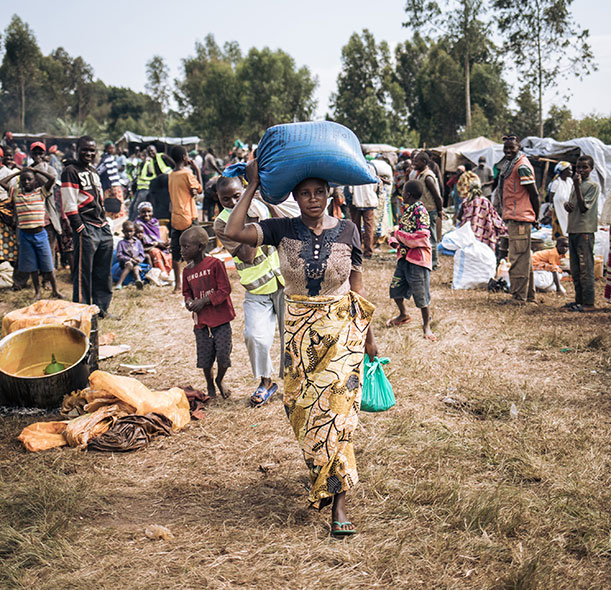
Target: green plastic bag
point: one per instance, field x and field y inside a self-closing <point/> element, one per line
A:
<point x="377" y="390"/>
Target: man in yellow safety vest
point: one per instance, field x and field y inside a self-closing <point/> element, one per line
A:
<point x="259" y="270"/>
<point x="151" y="167"/>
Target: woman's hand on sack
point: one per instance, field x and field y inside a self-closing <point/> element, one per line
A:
<point x="252" y="172"/>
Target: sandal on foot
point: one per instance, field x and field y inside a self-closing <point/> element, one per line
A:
<point x="262" y="395"/>
<point x="576" y="307"/>
<point x="393" y="322"/>
<point x="340" y="532"/>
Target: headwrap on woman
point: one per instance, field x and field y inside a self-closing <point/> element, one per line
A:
<point x="151" y="227"/>
<point x="559" y="168"/>
<point x="474" y="189"/>
<point x="145" y="205"/>
<point x="464" y="183"/>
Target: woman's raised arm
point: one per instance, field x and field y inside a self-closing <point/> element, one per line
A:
<point x="236" y="228"/>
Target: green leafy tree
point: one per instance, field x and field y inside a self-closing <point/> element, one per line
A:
<point x="524" y="120"/>
<point x="274" y="91"/>
<point x="410" y="57"/>
<point x="220" y="112"/>
<point x="129" y="110"/>
<point x="438" y="111"/>
<point x="369" y="97"/>
<point x="490" y="93"/>
<point x="545" y="42"/>
<point x="556" y="120"/>
<point x="225" y="95"/>
<point x="68" y="90"/>
<point x="20" y="73"/>
<point x="209" y="93"/>
<point x="458" y="22"/>
<point x="158" y="88"/>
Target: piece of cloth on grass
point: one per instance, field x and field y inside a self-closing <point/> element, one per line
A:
<point x="131" y="433"/>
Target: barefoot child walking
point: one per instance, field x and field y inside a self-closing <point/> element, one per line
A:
<point x="34" y="250"/>
<point x="414" y="261"/>
<point x="206" y="289"/>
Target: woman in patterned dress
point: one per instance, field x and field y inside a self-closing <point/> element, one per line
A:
<point x="327" y="331"/>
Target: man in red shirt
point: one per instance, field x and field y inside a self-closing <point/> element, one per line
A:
<point x="520" y="207"/>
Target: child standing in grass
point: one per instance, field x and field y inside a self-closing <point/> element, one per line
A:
<point x="583" y="223"/>
<point x="414" y="260"/>
<point x="30" y="205"/>
<point x="206" y="289"/>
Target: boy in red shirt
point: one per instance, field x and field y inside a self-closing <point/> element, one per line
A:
<point x="206" y="289"/>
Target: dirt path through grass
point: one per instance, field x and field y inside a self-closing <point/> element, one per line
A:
<point x="454" y="492"/>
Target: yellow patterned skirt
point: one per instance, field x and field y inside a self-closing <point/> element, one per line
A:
<point x="324" y="349"/>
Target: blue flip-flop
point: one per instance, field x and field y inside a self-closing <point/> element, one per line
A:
<point x="262" y="395"/>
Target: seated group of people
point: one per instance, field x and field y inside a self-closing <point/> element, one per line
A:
<point x="144" y="246"/>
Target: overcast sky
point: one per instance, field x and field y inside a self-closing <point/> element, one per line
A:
<point x="118" y="38"/>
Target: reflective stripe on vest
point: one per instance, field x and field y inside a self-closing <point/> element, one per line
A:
<point x="147" y="172"/>
<point x="259" y="277"/>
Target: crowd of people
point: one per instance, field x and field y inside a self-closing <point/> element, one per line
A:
<point x="300" y="273"/>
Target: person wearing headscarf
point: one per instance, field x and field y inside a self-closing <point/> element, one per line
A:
<point x="559" y="193"/>
<point x="151" y="238"/>
<point x="477" y="209"/>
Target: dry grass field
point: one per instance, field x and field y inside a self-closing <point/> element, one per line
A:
<point x="453" y="494"/>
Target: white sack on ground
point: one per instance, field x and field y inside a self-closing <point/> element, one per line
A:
<point x="474" y="266"/>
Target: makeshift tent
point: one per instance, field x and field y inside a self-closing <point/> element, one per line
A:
<point x="386" y="150"/>
<point x="129" y="140"/>
<point x="544" y="153"/>
<point x="63" y="142"/>
<point x="571" y="150"/>
<point x="453" y="155"/>
<point x="378" y="148"/>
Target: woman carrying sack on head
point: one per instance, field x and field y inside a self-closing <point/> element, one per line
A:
<point x="327" y="332"/>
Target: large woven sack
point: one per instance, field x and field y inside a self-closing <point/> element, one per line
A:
<point x="290" y="153"/>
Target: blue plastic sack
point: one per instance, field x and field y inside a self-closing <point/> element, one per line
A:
<point x="377" y="390"/>
<point x="290" y="153"/>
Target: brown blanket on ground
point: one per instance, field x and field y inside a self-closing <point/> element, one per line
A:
<point x="131" y="433"/>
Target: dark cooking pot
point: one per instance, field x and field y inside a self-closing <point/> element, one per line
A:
<point x="25" y="354"/>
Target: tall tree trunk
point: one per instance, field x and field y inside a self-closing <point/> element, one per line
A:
<point x="467" y="92"/>
<point x="539" y="73"/>
<point x="22" y="114"/>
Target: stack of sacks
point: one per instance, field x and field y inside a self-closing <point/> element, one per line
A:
<point x="108" y="399"/>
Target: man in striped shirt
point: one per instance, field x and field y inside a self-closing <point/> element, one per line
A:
<point x="82" y="201"/>
<point x="111" y="182"/>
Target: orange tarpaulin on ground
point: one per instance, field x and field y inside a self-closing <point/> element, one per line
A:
<point x="50" y="312"/>
<point x="43" y="435"/>
<point x="111" y="396"/>
<point x="173" y="404"/>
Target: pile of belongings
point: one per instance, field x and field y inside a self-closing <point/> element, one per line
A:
<point x="50" y="312"/>
<point x="114" y="413"/>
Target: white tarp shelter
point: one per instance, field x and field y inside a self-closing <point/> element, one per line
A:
<point x="562" y="150"/>
<point x="538" y="147"/>
<point x="452" y="155"/>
